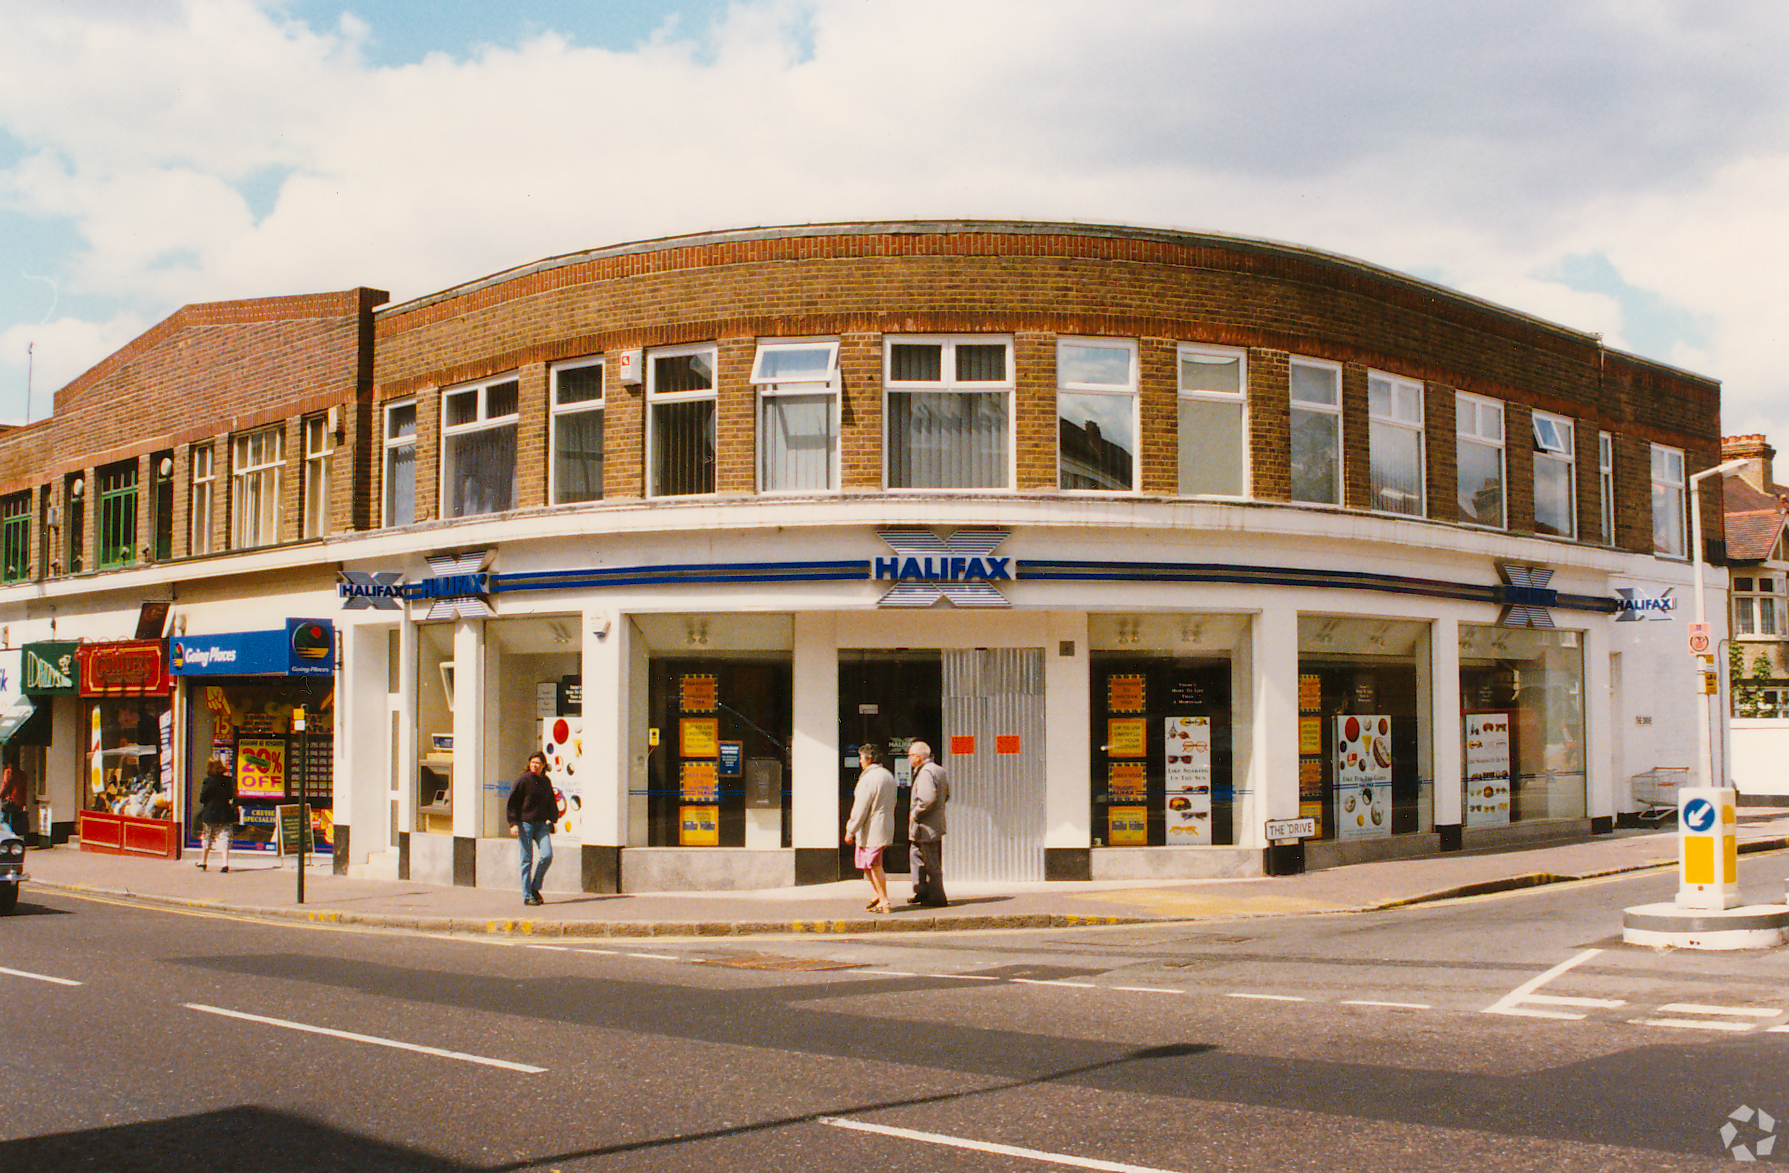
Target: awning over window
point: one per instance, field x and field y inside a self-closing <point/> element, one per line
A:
<point x="14" y="716"/>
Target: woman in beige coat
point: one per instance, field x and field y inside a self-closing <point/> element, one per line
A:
<point x="871" y="826"/>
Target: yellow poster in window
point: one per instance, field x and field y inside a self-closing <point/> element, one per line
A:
<point x="1127" y="826"/>
<point x="1310" y="693"/>
<point x="698" y="737"/>
<point x="699" y="783"/>
<point x="1310" y="735"/>
<point x="1127" y="780"/>
<point x="699" y="826"/>
<point x="1126" y="693"/>
<point x="698" y="693"/>
<point x="1127" y="737"/>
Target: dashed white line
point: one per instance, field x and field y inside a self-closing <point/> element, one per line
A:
<point x="887" y="973"/>
<point x="39" y="977"/>
<point x="653" y="956"/>
<point x="1692" y="1023"/>
<point x="1146" y="990"/>
<point x="360" y="1038"/>
<point x="604" y="952"/>
<point x="1392" y="1005"/>
<point x="1042" y="982"/>
<point x="1267" y="997"/>
<point x="962" y="977"/>
<point x="981" y="1146"/>
<point x="1562" y="1000"/>
<point x="553" y="948"/>
<point x="1698" y="1008"/>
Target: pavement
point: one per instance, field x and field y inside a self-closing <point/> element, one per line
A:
<point x="265" y="887"/>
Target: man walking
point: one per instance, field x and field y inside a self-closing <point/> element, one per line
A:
<point x="533" y="809"/>
<point x="925" y="826"/>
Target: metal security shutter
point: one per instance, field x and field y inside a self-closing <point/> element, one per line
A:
<point x="996" y="812"/>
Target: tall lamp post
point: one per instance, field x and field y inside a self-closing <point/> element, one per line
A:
<point x="1705" y="726"/>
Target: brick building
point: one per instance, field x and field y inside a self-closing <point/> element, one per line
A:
<point x="1154" y="536"/>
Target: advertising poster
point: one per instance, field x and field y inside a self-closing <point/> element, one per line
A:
<point x="1310" y="735"/>
<point x="562" y="740"/>
<point x="1487" y="769"/>
<point x="1310" y="788"/>
<point x="1187" y="778"/>
<point x="261" y="767"/>
<point x="1127" y="826"/>
<point x="1126" y="693"/>
<point x="1310" y="692"/>
<point x="698" y="693"/>
<point x="699" y="826"/>
<point x="1127" y="780"/>
<point x="1363" y="777"/>
<point x="698" y="737"/>
<point x="698" y="782"/>
<point x="1127" y="737"/>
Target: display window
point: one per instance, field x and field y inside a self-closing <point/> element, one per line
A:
<point x="714" y="721"/>
<point x="1362" y="737"/>
<point x="1521" y="725"/>
<point x="246" y="725"/>
<point x="129" y="739"/>
<point x="434" y="728"/>
<point x="533" y="701"/>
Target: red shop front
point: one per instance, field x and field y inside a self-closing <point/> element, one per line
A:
<point x="129" y="795"/>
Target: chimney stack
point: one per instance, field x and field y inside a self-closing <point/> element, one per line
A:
<point x="1757" y="453"/>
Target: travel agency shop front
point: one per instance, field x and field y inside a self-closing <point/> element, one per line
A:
<point x="1131" y="693"/>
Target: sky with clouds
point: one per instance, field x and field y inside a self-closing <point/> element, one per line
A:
<point x="1618" y="166"/>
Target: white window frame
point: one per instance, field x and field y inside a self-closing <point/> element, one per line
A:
<point x="393" y="444"/>
<point x="484" y="422"/>
<point x="655" y="397"/>
<point x="1480" y="422"/>
<point x="1128" y="388"/>
<point x="1748" y="597"/>
<point x="1239" y="397"/>
<point x="1402" y="392"/>
<point x="251" y="529"/>
<point x="1313" y="407"/>
<point x="559" y="410"/>
<point x="202" y="509"/>
<point x="319" y="446"/>
<point x="769" y="387"/>
<point x="1673" y="487"/>
<point x="1605" y="480"/>
<point x="948" y="383"/>
<point x="1556" y="442"/>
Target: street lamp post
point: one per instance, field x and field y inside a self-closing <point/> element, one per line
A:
<point x="1705" y="731"/>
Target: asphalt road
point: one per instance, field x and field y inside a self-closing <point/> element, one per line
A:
<point x="1510" y="1032"/>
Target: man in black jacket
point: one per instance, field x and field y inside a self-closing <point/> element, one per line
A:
<point x="533" y="809"/>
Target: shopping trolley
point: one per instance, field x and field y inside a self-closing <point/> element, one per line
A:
<point x="1656" y="791"/>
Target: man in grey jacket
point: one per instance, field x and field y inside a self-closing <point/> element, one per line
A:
<point x="925" y="826"/>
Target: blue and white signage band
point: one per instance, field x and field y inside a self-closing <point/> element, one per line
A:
<point x="926" y="568"/>
<point x="1525" y="596"/>
<point x="1635" y="605"/>
<point x="459" y="587"/>
<point x="381" y="590"/>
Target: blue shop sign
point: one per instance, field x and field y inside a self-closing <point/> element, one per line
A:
<point x="305" y="648"/>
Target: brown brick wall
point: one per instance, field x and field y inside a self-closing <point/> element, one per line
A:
<point x="533" y="393"/>
<point x="1034" y="410"/>
<point x="736" y="419"/>
<point x="1270" y="426"/>
<point x="1158" y="384"/>
<point x="860" y="412"/>
<point x="1441" y="452"/>
<point x="624" y="435"/>
<point x="1357" y="471"/>
<point x="1518" y="463"/>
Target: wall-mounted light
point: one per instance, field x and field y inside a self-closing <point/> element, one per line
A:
<point x="167" y="466"/>
<point x="697" y="633"/>
<point x="599" y="624"/>
<point x="80" y="486"/>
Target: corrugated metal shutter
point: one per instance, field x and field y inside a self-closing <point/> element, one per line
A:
<point x="996" y="813"/>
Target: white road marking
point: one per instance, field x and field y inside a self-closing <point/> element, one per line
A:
<point x="554" y="948"/>
<point x="1776" y="1030"/>
<point x="652" y="956"/>
<point x="604" y="952"/>
<point x="963" y="977"/>
<point x="1146" y="990"/>
<point x="1041" y="982"/>
<point x="1692" y="1023"/>
<point x="1508" y="1003"/>
<point x="1561" y="1000"/>
<point x="886" y="973"/>
<point x="1698" y="1008"/>
<point x="1267" y="997"/>
<point x="360" y="1038"/>
<point x="1393" y="1005"/>
<point x="39" y="977"/>
<point x="1004" y="1150"/>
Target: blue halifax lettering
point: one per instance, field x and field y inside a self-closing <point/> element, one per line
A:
<point x="955" y="569"/>
<point x="453" y="586"/>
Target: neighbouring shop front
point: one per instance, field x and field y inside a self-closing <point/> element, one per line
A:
<point x="128" y="722"/>
<point x="51" y="678"/>
<point x="239" y="693"/>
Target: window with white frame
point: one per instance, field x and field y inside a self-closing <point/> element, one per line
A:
<point x="578" y="432"/>
<point x="1213" y="386"/>
<point x="1756" y="606"/>
<point x="478" y="448"/>
<point x="1667" y="502"/>
<point x="204" y="498"/>
<point x="1605" y="480"/>
<point x="1555" y="485"/>
<point x="400" y="462"/>
<point x="1316" y="390"/>
<point x="680" y="420"/>
<point x="1479" y="459"/>
<point x="798" y="416"/>
<point x="1395" y="443"/>
<point x="255" y="463"/>
<point x="319" y="447"/>
<point x="948" y="412"/>
<point x="1096" y="414"/>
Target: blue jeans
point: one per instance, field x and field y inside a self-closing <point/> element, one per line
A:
<point x="533" y="836"/>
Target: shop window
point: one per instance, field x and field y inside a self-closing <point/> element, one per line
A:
<point x="434" y="728"/>
<point x="949" y="412"/>
<point x="319" y="452"/>
<point x="1096" y="414"/>
<point x="1363" y="737"/>
<point x="1316" y="392"/>
<point x="256" y="460"/>
<point x="1756" y="609"/>
<point x="1395" y="440"/>
<point x="124" y="759"/>
<point x="1605" y="481"/>
<point x="15" y="536"/>
<point x="680" y="420"/>
<point x="162" y="505"/>
<point x="245" y="725"/>
<point x="1555" y="485"/>
<point x="204" y="498"/>
<point x="117" y="514"/>
<point x="578" y="432"/>
<point x="74" y="491"/>
<point x="1213" y="437"/>
<point x="715" y="716"/>
<point x="478" y="448"/>
<point x="1522" y="725"/>
<point x="798" y="416"/>
<point x="533" y="702"/>
<point x="1667" y="502"/>
<point x="400" y="463"/>
<point x="1479" y="460"/>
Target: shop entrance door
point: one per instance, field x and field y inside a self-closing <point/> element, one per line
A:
<point x="889" y="698"/>
<point x="995" y="753"/>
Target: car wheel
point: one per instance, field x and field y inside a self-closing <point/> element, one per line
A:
<point x="9" y="897"/>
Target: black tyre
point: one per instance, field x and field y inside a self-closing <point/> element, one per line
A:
<point x="9" y="897"/>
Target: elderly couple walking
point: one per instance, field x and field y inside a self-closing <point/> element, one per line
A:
<point x="871" y="826"/>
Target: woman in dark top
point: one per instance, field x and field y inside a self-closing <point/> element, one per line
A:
<point x="533" y="809"/>
<point x="217" y="810"/>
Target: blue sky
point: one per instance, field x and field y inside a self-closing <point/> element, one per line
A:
<point x="1618" y="169"/>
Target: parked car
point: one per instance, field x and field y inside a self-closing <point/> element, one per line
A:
<point x="12" y="867"/>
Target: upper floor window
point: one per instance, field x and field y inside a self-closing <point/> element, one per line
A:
<point x="1605" y="480"/>
<point x="1213" y="386"/>
<point x="1667" y="502"/>
<point x="577" y="466"/>
<point x="1316" y="392"/>
<point x="74" y="493"/>
<point x="798" y="416"/>
<point x="15" y="536"/>
<point x="204" y="498"/>
<point x="680" y="420"/>
<point x="1096" y="414"/>
<point x="949" y="412"/>
<point x="319" y="449"/>
<point x="1755" y="606"/>
<point x="478" y="448"/>
<point x="117" y="514"/>
<point x="400" y="462"/>
<point x="1555" y="486"/>
<point x="255" y="463"/>
<point x="162" y="504"/>
<point x="1479" y="459"/>
<point x="1395" y="443"/>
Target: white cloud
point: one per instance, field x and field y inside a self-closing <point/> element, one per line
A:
<point x="60" y="350"/>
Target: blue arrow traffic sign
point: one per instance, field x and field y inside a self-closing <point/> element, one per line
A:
<point x="1698" y="814"/>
